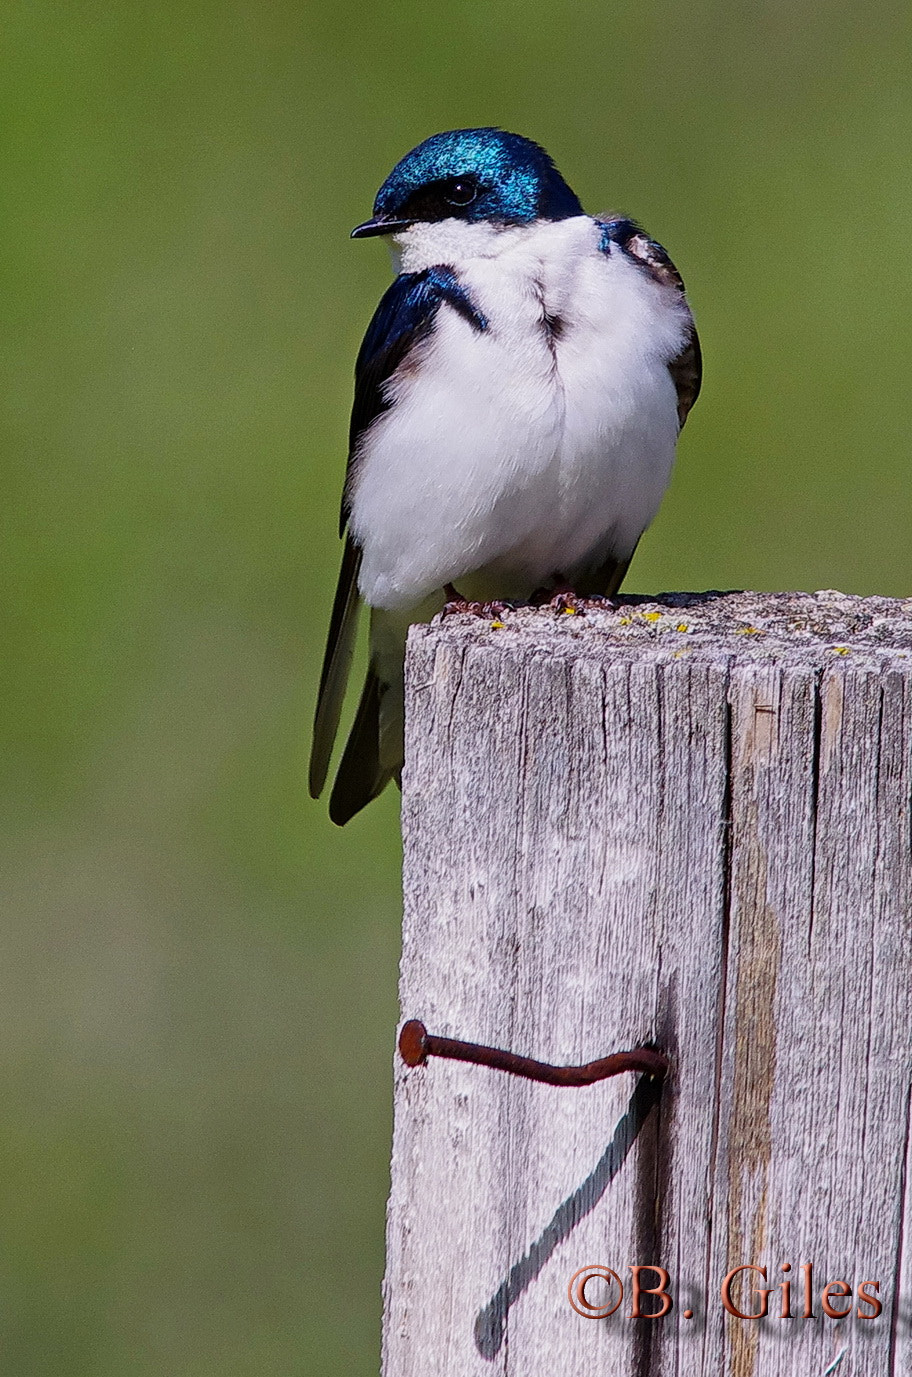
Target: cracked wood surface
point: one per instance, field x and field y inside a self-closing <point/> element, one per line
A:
<point x="684" y="821"/>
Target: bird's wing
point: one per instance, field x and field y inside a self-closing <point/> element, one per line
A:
<point x="686" y="368"/>
<point x="403" y="318"/>
<point x="340" y="646"/>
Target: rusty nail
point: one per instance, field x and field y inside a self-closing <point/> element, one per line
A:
<point x="416" y="1044"/>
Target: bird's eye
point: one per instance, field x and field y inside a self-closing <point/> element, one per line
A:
<point x="461" y="192"/>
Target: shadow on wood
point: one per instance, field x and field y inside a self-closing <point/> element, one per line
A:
<point x="490" y="1325"/>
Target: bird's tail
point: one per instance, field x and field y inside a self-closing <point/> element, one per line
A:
<point x="363" y="771"/>
<point x="374" y="751"/>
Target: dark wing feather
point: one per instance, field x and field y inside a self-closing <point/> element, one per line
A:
<point x="340" y="646"/>
<point x="604" y="579"/>
<point x="686" y="368"/>
<point x="403" y="318"/>
<point x="361" y="776"/>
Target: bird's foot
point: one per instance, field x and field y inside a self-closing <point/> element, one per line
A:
<point x="457" y="605"/>
<point x="564" y="599"/>
<point x="559" y="596"/>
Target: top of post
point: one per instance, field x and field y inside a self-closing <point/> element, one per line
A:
<point x="817" y="628"/>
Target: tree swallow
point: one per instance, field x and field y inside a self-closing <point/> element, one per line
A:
<point x="518" y="397"/>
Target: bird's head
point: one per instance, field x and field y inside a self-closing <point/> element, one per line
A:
<point x="472" y="175"/>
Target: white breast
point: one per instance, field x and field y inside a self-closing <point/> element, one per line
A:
<point x="521" y="451"/>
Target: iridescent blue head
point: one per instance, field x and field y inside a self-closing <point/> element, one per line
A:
<point x="472" y="175"/>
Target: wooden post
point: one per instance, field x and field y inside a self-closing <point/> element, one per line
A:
<point x="684" y="823"/>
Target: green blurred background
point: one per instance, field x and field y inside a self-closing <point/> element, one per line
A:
<point x="197" y="976"/>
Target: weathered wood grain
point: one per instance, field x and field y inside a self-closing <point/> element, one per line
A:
<point x="684" y="822"/>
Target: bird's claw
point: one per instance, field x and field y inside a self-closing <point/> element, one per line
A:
<point x="559" y="597"/>
<point x="456" y="605"/>
<point x="603" y="600"/>
<point x="566" y="601"/>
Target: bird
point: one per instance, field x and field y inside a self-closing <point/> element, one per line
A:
<point x="518" y="398"/>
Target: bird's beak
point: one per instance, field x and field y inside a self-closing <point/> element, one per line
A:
<point x="379" y="225"/>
